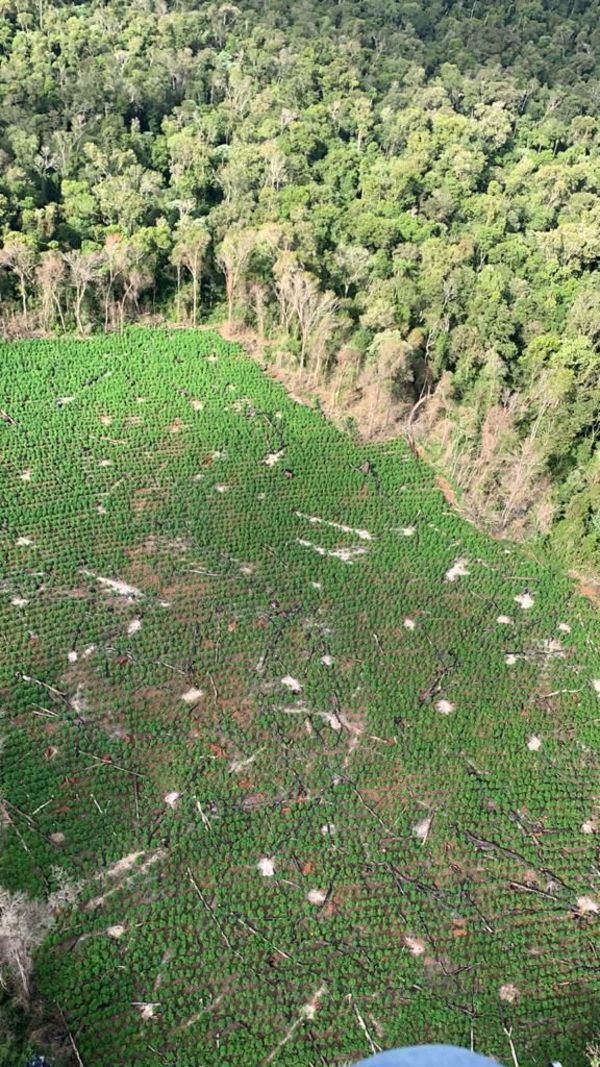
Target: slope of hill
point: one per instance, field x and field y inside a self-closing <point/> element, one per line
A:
<point x="302" y="764"/>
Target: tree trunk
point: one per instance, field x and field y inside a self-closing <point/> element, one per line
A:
<point x="194" y="297"/>
<point x="303" y="347"/>
<point x="59" y="309"/>
<point x="106" y="300"/>
<point x="411" y="417"/>
<point x="374" y="407"/>
<point x="229" y="286"/>
<point x="179" y="292"/>
<point x="23" y="297"/>
<point x="260" y="319"/>
<point x="78" y="303"/>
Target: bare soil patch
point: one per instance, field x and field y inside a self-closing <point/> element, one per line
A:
<point x="588" y="587"/>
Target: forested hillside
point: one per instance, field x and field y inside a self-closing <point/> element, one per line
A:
<point x="400" y="198"/>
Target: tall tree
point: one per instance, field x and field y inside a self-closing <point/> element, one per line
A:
<point x="233" y="257"/>
<point x="18" y="256"/>
<point x="191" y="242"/>
<point x="313" y="311"/>
<point x="84" y="269"/>
<point x="50" y="277"/>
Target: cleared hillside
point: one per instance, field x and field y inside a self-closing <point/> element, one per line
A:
<point x="320" y="757"/>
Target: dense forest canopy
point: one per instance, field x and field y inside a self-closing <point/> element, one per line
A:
<point x="401" y="198"/>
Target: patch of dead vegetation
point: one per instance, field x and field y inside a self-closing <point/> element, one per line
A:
<point x="449" y="493"/>
<point x="135" y="862"/>
<point x="25" y="923"/>
<point x="587" y="586"/>
<point x="146" y="498"/>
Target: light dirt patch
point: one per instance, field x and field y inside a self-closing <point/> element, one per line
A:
<point x="415" y="945"/>
<point x="147" y="1010"/>
<point x="421" y="829"/>
<point x="79" y="701"/>
<point x="238" y="765"/>
<point x="445" y="707"/>
<point x="123" y="865"/>
<point x="192" y="696"/>
<point x="525" y="601"/>
<point x="115" y="585"/>
<point x="291" y="683"/>
<point x="362" y="534"/>
<point x="508" y="993"/>
<point x="457" y="570"/>
<point x="588" y="906"/>
<point x="309" y="1010"/>
<point x="346" y="555"/>
<point x="316" y="897"/>
<point x="167" y="545"/>
<point x="551" y="648"/>
<point x="272" y="458"/>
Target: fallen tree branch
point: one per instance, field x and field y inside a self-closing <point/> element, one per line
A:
<point x="210" y="911"/>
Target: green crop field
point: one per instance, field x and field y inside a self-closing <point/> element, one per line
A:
<point x="318" y="759"/>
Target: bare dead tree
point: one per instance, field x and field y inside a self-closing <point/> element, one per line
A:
<point x="114" y="257"/>
<point x="389" y="361"/>
<point x="189" y="251"/>
<point x="24" y="923"/>
<point x="258" y="300"/>
<point x="233" y="257"/>
<point x="17" y="256"/>
<point x="313" y="311"/>
<point x="83" y="269"/>
<point x="347" y="368"/>
<point x="50" y="277"/>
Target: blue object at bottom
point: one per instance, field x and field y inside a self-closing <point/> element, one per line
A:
<point x="427" y="1056"/>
